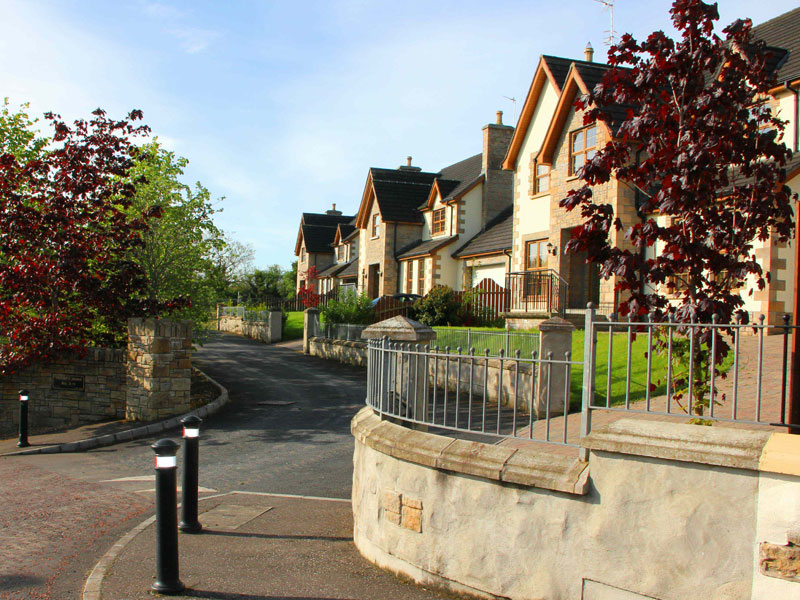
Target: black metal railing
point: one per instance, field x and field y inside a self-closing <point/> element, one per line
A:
<point x="542" y="291"/>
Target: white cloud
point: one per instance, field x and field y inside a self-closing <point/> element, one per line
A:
<point x="159" y="10"/>
<point x="193" y="39"/>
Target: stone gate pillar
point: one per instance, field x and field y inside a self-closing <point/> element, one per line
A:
<point x="556" y="339"/>
<point x="159" y="369"/>
<point x="411" y="382"/>
<point x="310" y="327"/>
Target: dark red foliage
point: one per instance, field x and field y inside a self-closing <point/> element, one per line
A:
<point x="66" y="231"/>
<point x="695" y="149"/>
<point x="307" y="294"/>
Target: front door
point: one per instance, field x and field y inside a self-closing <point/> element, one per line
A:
<point x="372" y="281"/>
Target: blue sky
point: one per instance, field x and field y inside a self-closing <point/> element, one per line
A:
<point x="281" y="107"/>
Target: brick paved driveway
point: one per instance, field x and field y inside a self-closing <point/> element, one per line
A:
<point x="54" y="528"/>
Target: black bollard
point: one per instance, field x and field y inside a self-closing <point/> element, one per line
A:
<point x="167" y="579"/>
<point x="191" y="465"/>
<point x="23" y="419"/>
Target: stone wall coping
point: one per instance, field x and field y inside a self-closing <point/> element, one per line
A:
<point x="519" y="466"/>
<point x="337" y="342"/>
<point x="556" y="324"/>
<point x="720" y="446"/>
<point x="401" y="329"/>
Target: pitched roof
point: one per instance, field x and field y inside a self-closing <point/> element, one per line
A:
<point x="783" y="32"/>
<point x="400" y="192"/>
<point x="332" y="270"/>
<point x="420" y="248"/>
<point x="496" y="237"/>
<point x="350" y="270"/>
<point x="343" y="232"/>
<point x="318" y="238"/>
<point x="325" y="220"/>
<point x="456" y="180"/>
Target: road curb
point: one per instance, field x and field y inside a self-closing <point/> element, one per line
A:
<point x="134" y="433"/>
<point x="92" y="589"/>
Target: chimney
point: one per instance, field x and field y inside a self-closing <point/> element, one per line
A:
<point x="497" y="187"/>
<point x="588" y="52"/>
<point x="333" y="211"/>
<point x="408" y="166"/>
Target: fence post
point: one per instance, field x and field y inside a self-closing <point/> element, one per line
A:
<point x="587" y="395"/>
<point x="310" y="327"/>
<point x="275" y="324"/>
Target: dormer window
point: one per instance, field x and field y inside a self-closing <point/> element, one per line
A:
<point x="437" y="221"/>
<point x="582" y="147"/>
<point x="376" y="229"/>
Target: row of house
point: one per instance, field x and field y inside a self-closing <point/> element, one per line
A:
<point x="496" y="215"/>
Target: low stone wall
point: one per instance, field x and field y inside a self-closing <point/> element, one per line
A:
<point x="68" y="392"/>
<point x="661" y="510"/>
<point x="268" y="332"/>
<point x="149" y="381"/>
<point x="347" y="352"/>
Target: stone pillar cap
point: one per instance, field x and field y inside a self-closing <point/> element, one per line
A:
<point x="400" y="329"/>
<point x="556" y="324"/>
<point x="312" y="309"/>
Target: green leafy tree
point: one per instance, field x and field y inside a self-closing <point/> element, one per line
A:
<point x="228" y="267"/>
<point x="18" y="135"/>
<point x="289" y="282"/>
<point x="178" y="249"/>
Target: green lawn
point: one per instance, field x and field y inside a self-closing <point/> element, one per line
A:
<point x="294" y="326"/>
<point x="619" y="361"/>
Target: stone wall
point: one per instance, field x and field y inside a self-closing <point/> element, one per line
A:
<point x="66" y="393"/>
<point x="347" y="352"/>
<point x="268" y="332"/>
<point x="159" y="368"/>
<point x="660" y="510"/>
<point x="149" y="381"/>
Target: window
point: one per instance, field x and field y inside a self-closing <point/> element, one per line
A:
<point x="438" y="221"/>
<point x="409" y="276"/>
<point x="541" y="178"/>
<point x="302" y="254"/>
<point x="421" y="276"/>
<point x="582" y="147"/>
<point x="535" y="255"/>
<point x="376" y="230"/>
<point x="339" y="253"/>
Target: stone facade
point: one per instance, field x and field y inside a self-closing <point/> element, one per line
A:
<point x="498" y="185"/>
<point x="159" y="368"/>
<point x="98" y="390"/>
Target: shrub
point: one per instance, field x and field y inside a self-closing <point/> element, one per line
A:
<point x="349" y="307"/>
<point x="439" y="307"/>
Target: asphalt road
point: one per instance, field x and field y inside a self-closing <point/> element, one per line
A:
<point x="286" y="430"/>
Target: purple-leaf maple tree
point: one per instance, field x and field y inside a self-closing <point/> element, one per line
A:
<point x="66" y="233"/>
<point x="703" y="152"/>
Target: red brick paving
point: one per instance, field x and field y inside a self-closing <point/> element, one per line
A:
<point x="48" y="522"/>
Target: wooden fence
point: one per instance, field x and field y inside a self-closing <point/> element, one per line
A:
<point x="488" y="299"/>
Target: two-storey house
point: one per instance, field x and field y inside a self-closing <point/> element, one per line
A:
<point x="414" y="223"/>
<point x="314" y="246"/>
<point x="550" y="145"/>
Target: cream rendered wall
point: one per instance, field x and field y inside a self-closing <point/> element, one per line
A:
<point x="786" y="253"/>
<point x="531" y="215"/>
<point x="534" y="138"/>
<point x="496" y="272"/>
<point x="450" y="269"/>
<point x="472" y="213"/>
<point x="785" y="110"/>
